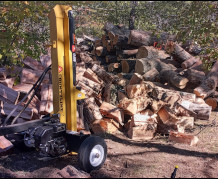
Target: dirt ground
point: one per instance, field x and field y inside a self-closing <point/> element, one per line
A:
<point x="131" y="159"/>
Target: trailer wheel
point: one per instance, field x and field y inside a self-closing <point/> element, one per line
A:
<point x="92" y="153"/>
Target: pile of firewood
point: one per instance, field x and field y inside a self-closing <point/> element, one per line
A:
<point x="135" y="82"/>
<point x="141" y="84"/>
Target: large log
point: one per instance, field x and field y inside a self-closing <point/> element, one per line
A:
<point x="152" y="75"/>
<point x="183" y="138"/>
<point x="194" y="76"/>
<point x="46" y="104"/>
<point x="209" y="85"/>
<point x="126" y="53"/>
<point x="135" y="105"/>
<point x="33" y="64"/>
<point x="128" y="65"/>
<point x="139" y="38"/>
<point x="8" y="95"/>
<point x="31" y="76"/>
<point x="150" y="52"/>
<point x="111" y="111"/>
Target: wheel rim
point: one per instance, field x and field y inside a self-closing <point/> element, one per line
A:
<point x="96" y="156"/>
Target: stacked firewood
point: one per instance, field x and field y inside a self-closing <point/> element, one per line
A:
<point x="141" y="84"/>
<point x="135" y="82"/>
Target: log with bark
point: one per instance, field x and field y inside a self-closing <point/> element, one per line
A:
<point x="150" y="52"/>
<point x="46" y="104"/>
<point x="190" y="62"/>
<point x="106" y="77"/>
<point x="213" y="102"/>
<point x="8" y="95"/>
<point x="209" y="84"/>
<point x="128" y="66"/>
<point x="139" y="38"/>
<point x="127" y="53"/>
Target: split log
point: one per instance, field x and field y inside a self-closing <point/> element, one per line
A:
<point x="89" y="92"/>
<point x="102" y="73"/>
<point x="101" y="51"/>
<point x="46" y="104"/>
<point x="183" y="138"/>
<point x="9" y="82"/>
<point x="135" y="105"/>
<point x="139" y="38"/>
<point x="157" y="105"/>
<point x="93" y="85"/>
<point x="6" y="109"/>
<point x="3" y="73"/>
<point x="8" y="95"/>
<point x="213" y="102"/>
<point x="136" y="90"/>
<point x="150" y="52"/>
<point x="91" y="112"/>
<point x="199" y="111"/>
<point x="111" y="111"/>
<point x="33" y="64"/>
<point x="135" y="79"/>
<point x="128" y="65"/>
<point x="106" y="126"/>
<point x="143" y="132"/>
<point x="30" y="77"/>
<point x="121" y="82"/>
<point x="152" y="75"/>
<point x="209" y="85"/>
<point x="190" y="62"/>
<point x="88" y="73"/>
<point x="5" y="146"/>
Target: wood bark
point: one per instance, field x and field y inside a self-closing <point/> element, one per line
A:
<point x="209" y="85"/>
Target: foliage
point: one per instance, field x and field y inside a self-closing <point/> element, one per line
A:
<point x="24" y="25"/>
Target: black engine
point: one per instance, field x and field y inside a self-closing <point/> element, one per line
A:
<point x="49" y="139"/>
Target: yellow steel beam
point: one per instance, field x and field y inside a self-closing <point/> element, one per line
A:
<point x="65" y="95"/>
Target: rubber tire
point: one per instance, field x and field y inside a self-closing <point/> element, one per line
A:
<point x="85" y="150"/>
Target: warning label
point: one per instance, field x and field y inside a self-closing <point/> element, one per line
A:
<point x="60" y="69"/>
